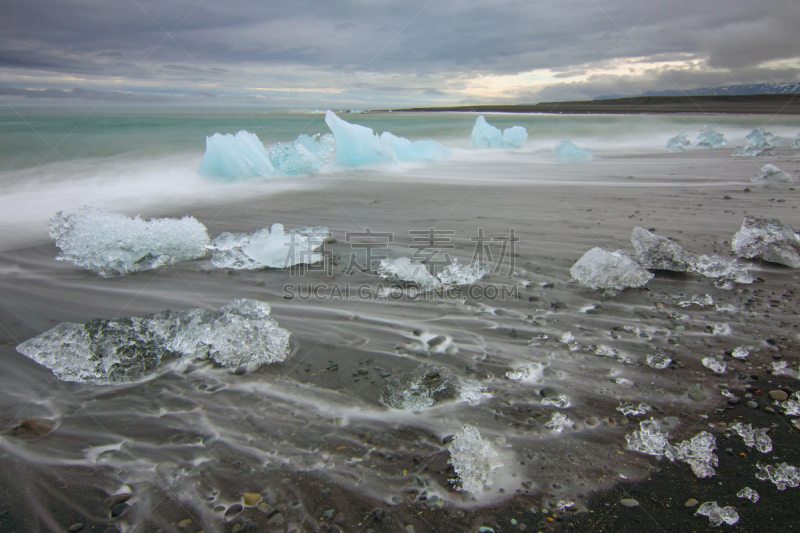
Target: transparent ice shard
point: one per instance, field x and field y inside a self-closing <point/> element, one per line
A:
<point x="273" y="248"/>
<point x="754" y="437"/>
<point x="651" y="440"/>
<point x="679" y="143"/>
<point x="709" y="138"/>
<point x="740" y="352"/>
<point x="627" y="408"/>
<point x="125" y="350"/>
<point x="783" y="475"/>
<point x="462" y="274"/>
<point x="771" y="173"/>
<point x="305" y="155"/>
<point x="484" y="136"/>
<point x="759" y="142"/>
<point x="403" y="269"/>
<point x="768" y="239"/>
<point x="717" y="515"/>
<point x="560" y="401"/>
<point x="601" y="269"/>
<point x="425" y="387"/>
<point x="567" y="152"/>
<point x="226" y="252"/>
<point x="558" y="422"/>
<point x="658" y="360"/>
<point x="473" y="459"/>
<point x="699" y="453"/>
<point x="235" y="157"/>
<point x="112" y="244"/>
<point x="748" y="493"/>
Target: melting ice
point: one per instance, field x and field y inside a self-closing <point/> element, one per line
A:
<point x="759" y="142"/>
<point x="274" y="248"/>
<point x="601" y="269"/>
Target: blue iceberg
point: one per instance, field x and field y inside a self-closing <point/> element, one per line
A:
<point x="709" y="138"/>
<point x="484" y="135"/>
<point x="305" y="155"/>
<point x="759" y="142"/>
<point x="235" y="157"/>
<point x="405" y="150"/>
<point x="567" y="152"/>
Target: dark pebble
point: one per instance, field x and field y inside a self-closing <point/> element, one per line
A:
<point x="547" y="392"/>
<point x="241" y="371"/>
<point x="436" y="341"/>
<point x="558" y="305"/>
<point x="733" y="401"/>
<point x="118" y="509"/>
<point x="233" y="510"/>
<point x="34" y="427"/>
<point x="117" y="499"/>
<point x="378" y="514"/>
<point x="752" y="405"/>
<point x="726" y="197"/>
<point x="75" y="527"/>
<point x="448" y="439"/>
<point x="3" y="513"/>
<point x="548" y="285"/>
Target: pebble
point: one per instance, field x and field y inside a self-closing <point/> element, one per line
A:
<point x="117" y="499"/>
<point x="75" y="527"/>
<point x="691" y="502"/>
<point x="592" y="422"/>
<point x="276" y="519"/>
<point x="233" y="510"/>
<point x="629" y="502"/>
<point x="752" y="405"/>
<point x="237" y="528"/>
<point x="185" y="523"/>
<point x="733" y="401"/>
<point x="547" y="392"/>
<point x="437" y="340"/>
<point x="251" y="499"/>
<point x="769" y="410"/>
<point x="118" y="509"/>
<point x="697" y="393"/>
<point x="34" y="427"/>
<point x="778" y="395"/>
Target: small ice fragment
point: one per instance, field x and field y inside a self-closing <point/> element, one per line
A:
<point x="471" y="390"/>
<point x="112" y="244"/>
<point x="126" y="350"/>
<point x="686" y="301"/>
<point x="768" y="239"/>
<point x="699" y="453"/>
<point x="783" y="475"/>
<point x="563" y="505"/>
<point x="403" y="269"/>
<point x="727" y="393"/>
<point x="721" y="329"/>
<point x="305" y="155"/>
<point x="235" y="157"/>
<point x="679" y="143"/>
<point x="658" y="360"/>
<point x="650" y="439"/>
<point x="753" y="437"/>
<point x="560" y="401"/>
<point x="771" y="173"/>
<point x="601" y="269"/>
<point x="792" y="405"/>
<point x="717" y="515"/>
<point x="748" y="493"/>
<point x="518" y="374"/>
<point x="567" y="152"/>
<point x="740" y="352"/>
<point x="709" y="138"/>
<point x="425" y="387"/>
<point x="558" y="422"/>
<point x="567" y="338"/>
<point x="796" y="141"/>
<point x="727" y="270"/>
<point x="473" y="459"/>
<point x="606" y="351"/>
<point x="781" y="368"/>
<point x="458" y="274"/>
<point x="713" y="364"/>
<point x="274" y="248"/>
<point x="484" y="135"/>
<point x="627" y="408"/>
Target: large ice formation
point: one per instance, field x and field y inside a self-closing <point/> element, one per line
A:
<point x="772" y="174"/>
<point x="358" y="145"/>
<point x="717" y="515"/>
<point x="567" y="152"/>
<point x="305" y="155"/>
<point x="709" y="138"/>
<point x="768" y="239"/>
<point x="759" y="142"/>
<point x="484" y="135"/>
<point x="601" y="269"/>
<point x="125" y="350"/>
<point x="274" y="248"/>
<point x="113" y="244"/>
<point x="235" y="157"/>
<point x="404" y="269"/>
<point x="424" y="387"/>
<point x="473" y="459"/>
<point x="679" y="143"/>
<point x="783" y="475"/>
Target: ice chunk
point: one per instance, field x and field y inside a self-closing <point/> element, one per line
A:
<point x="783" y="475"/>
<point x="458" y="274"/>
<point x="781" y="368"/>
<point x="227" y="252"/>
<point x="717" y="515"/>
<point x="709" y="138"/>
<point x="679" y="143"/>
<point x="660" y="253"/>
<point x="740" y="352"/>
<point x="112" y="244"/>
<point x="600" y="269"/>
<point x="405" y="150"/>
<point x="699" y="453"/>
<point x="560" y="401"/>
<point x="796" y="141"/>
<point x="713" y="364"/>
<point x="425" y="387"/>
<point x="754" y="437"/>
<point x="772" y="174"/>
<point x="651" y="440"/>
<point x="792" y="405"/>
<point x="567" y="152"/>
<point x="627" y="408"/>
<point x="235" y="157"/>
<point x="403" y="269"/>
<point x="659" y="360"/>
<point x="695" y="299"/>
<point x="519" y="374"/>
<point x="759" y="142"/>
<point x="725" y="271"/>
<point x="567" y="338"/>
<point x="125" y="350"/>
<point x="558" y="422"/>
<point x="484" y="135"/>
<point x="473" y="459"/>
<point x="748" y="493"/>
<point x="768" y="239"/>
<point x="305" y="155"/>
<point x="272" y="248"/>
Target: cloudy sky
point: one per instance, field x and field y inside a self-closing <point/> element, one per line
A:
<point x="306" y="54"/>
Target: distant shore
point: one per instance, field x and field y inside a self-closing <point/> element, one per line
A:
<point x="757" y="104"/>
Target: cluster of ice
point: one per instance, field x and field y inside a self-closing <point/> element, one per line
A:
<point x="679" y="143"/>
<point x="484" y="135"/>
<point x="567" y="152"/>
<point x="235" y="157"/>
<point x="759" y="142"/>
<point x="558" y="422"/>
<point x="305" y="155"/>
<point x="601" y="269"/>
<point x="560" y="401"/>
<point x="754" y="437"/>
<point x="358" y="145"/>
<point x="112" y="244"/>
<point x="698" y="452"/>
<point x="627" y="408"/>
<point x="772" y="174"/>
<point x="124" y="350"/>
<point x="473" y="459"/>
<point x="658" y="360"/>
<point x="768" y="239"/>
<point x="748" y="493"/>
<point x="403" y="269"/>
<point x="783" y="475"/>
<point x="717" y="515"/>
<point x="712" y="364"/>
<point x="424" y="387"/>
<point x="274" y="248"/>
<point x="709" y="138"/>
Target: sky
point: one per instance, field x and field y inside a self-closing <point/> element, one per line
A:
<point x="362" y="54"/>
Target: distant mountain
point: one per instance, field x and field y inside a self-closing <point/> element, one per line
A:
<point x="748" y="88"/>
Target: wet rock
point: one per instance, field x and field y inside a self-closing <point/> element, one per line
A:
<point x="251" y="499"/>
<point x="75" y="527"/>
<point x="32" y="428"/>
<point x="548" y="392"/>
<point x="592" y="422"/>
<point x="118" y="509"/>
<point x="778" y="395"/>
<point x="233" y="510"/>
<point x="436" y="341"/>
<point x="752" y="405"/>
<point x="629" y="502"/>
<point x="691" y="502"/>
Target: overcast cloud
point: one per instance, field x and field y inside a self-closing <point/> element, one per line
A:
<point x="351" y="53"/>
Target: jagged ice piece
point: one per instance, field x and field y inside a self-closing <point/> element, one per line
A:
<point x="717" y="515"/>
<point x="771" y="173"/>
<point x="679" y="143"/>
<point x="601" y="269"/>
<point x="473" y="459"/>
<point x="709" y="138"/>
<point x="484" y="135"/>
<point x="768" y="239"/>
<point x="305" y="155"/>
<point x="235" y="157"/>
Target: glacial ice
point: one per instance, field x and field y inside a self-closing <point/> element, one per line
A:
<point x="717" y="515"/>
<point x="112" y="244"/>
<point x="772" y="174"/>
<point x="712" y="364"/>
<point x="658" y="360"/>
<point x="768" y="239"/>
<point x="759" y="142"/>
<point x="627" y="408"/>
<point x="403" y="269"/>
<point x="783" y="475"/>
<point x="272" y="248"/>
<point x="125" y="350"/>
<point x="796" y="141"/>
<point x="699" y="453"/>
<point x="709" y="138"/>
<point x="473" y="459"/>
<point x="740" y="352"/>
<point x="679" y="143"/>
<point x="462" y="274"/>
<point x="558" y="422"/>
<point x="305" y="155"/>
<point x="425" y="387"/>
<point x="560" y="401"/>
<point x="792" y="405"/>
<point x="651" y="440"/>
<point x="601" y="269"/>
<point x="753" y="437"/>
<point x="725" y="271"/>
<point x="235" y="157"/>
<point x="567" y="152"/>
<point x="358" y="146"/>
<point x="484" y="135"/>
<point x="748" y="493"/>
